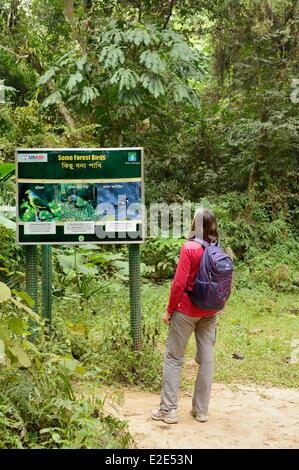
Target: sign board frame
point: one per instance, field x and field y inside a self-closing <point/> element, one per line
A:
<point x="43" y="156"/>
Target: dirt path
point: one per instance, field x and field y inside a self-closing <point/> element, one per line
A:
<point x="242" y="417"/>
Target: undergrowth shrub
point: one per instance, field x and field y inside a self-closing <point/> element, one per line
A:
<point x="99" y="336"/>
<point x="263" y="244"/>
<point x="12" y="264"/>
<point x="38" y="409"/>
<point x="38" y="405"/>
<point x="160" y="256"/>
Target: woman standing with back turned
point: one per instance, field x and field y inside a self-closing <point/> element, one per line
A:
<point x="184" y="318"/>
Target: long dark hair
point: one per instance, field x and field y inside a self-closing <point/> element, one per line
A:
<point x="204" y="226"/>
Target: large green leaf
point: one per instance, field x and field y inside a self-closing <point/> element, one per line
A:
<point x="74" y="79"/>
<point x="152" y="61"/>
<point x="5" y="335"/>
<point x="16" y="325"/>
<point x="153" y="84"/>
<point x="125" y="78"/>
<point x="72" y="365"/>
<point x="112" y="36"/>
<point x="139" y="36"/>
<point x="47" y="76"/>
<point x="24" y="296"/>
<point x="21" y="355"/>
<point x="112" y="56"/>
<point x="5" y="292"/>
<point x="88" y="94"/>
<point x="81" y="62"/>
<point x="68" y="262"/>
<point x="182" y="92"/>
<point x="6" y="169"/>
<point x="181" y="51"/>
<point x="122" y="267"/>
<point x="132" y="97"/>
<point x="87" y="269"/>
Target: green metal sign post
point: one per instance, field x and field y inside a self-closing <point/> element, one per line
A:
<point x="32" y="287"/>
<point x="80" y="196"/>
<point x="31" y="279"/>
<point x="31" y="273"/>
<point x="135" y="297"/>
<point x="47" y="282"/>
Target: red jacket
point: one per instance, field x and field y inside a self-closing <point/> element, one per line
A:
<point x="184" y="278"/>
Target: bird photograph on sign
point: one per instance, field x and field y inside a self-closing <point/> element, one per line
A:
<point x="119" y="201"/>
<point x="78" y="202"/>
<point x="38" y="203"/>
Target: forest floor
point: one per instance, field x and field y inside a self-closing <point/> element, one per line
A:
<point x="240" y="416"/>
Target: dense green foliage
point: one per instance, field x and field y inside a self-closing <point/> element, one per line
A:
<point x="32" y="414"/>
<point x="208" y="88"/>
<point x="204" y="86"/>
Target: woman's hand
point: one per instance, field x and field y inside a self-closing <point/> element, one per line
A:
<point x="167" y="318"/>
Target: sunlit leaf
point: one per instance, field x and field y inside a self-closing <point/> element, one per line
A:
<point x="153" y="84"/>
<point x="21" y="355"/>
<point x="139" y="36"/>
<point x="2" y="352"/>
<point x="5" y="292"/>
<point x="125" y="78"/>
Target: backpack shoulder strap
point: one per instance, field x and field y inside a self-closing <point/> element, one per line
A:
<point x="203" y="243"/>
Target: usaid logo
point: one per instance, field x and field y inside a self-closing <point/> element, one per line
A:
<point x="32" y="157"/>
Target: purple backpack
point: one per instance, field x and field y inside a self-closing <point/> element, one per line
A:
<point x="213" y="282"/>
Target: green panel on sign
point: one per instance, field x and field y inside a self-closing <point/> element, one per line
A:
<point x="79" y="164"/>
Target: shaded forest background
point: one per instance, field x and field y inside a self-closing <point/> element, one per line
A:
<point x="210" y="89"/>
<point x="205" y="86"/>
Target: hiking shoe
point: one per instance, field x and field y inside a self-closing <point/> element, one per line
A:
<point x="168" y="417"/>
<point x="202" y="418"/>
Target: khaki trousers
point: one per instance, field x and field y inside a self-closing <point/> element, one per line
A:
<point x="180" y="329"/>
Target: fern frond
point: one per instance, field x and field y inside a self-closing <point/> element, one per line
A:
<point x="138" y="36"/>
<point x="74" y="79"/>
<point x="152" y="61"/>
<point x="53" y="98"/>
<point x="153" y="84"/>
<point x="114" y="36"/>
<point x="181" y="92"/>
<point x="181" y="51"/>
<point x="112" y="56"/>
<point x="88" y="94"/>
<point x="125" y="78"/>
